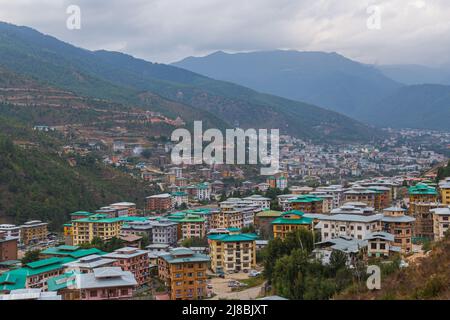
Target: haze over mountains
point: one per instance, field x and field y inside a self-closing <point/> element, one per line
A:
<point x="364" y="92"/>
<point x="120" y="78"/>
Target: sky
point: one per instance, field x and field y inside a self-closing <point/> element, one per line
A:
<point x="369" y="31"/>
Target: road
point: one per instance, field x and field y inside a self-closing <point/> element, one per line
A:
<point x="222" y="291"/>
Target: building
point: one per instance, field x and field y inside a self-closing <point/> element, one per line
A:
<point x="8" y="247"/>
<point x="97" y="225"/>
<point x="362" y="194"/>
<point x="348" y="225"/>
<point x="444" y="187"/>
<point x="74" y="252"/>
<point x="107" y="283"/>
<point x="336" y="191"/>
<point x="138" y="228"/>
<point x="159" y="203"/>
<point x="87" y="264"/>
<point x="30" y="294"/>
<point x="34" y="231"/>
<point x="134" y="260"/>
<point x="232" y="252"/>
<point x="350" y="246"/>
<point x="179" y="198"/>
<point x="423" y="226"/>
<point x="192" y="226"/>
<point x="307" y="204"/>
<point x="441" y="220"/>
<point x="128" y="206"/>
<point x="263" y="222"/>
<point x="381" y="244"/>
<point x="33" y="274"/>
<point x="164" y="231"/>
<point x="262" y="202"/>
<point x="290" y="221"/>
<point x="11" y="230"/>
<point x="184" y="273"/>
<point x="397" y="223"/>
<point x="235" y="213"/>
<point x="421" y="193"/>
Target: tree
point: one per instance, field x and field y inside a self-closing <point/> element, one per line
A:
<point x="249" y="229"/>
<point x="146" y="153"/>
<point x="31" y="256"/>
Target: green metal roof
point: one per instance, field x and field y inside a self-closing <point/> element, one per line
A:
<point x="305" y="198"/>
<point x="284" y="220"/>
<point x="71" y="251"/>
<point x="59" y="282"/>
<point x="233" y="237"/>
<point x="422" y="189"/>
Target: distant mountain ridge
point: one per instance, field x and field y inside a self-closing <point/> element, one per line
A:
<point x="326" y="79"/>
<point x="123" y="79"/>
<point x="366" y="93"/>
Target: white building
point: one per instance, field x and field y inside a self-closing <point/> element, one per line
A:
<point x="441" y="220"/>
<point x="259" y="200"/>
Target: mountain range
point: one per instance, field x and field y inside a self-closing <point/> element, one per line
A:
<point x="372" y="94"/>
<point x="173" y="91"/>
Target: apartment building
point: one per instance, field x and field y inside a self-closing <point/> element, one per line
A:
<point x="164" y="231"/>
<point x="258" y="200"/>
<point x="396" y="222"/>
<point x="11" y="230"/>
<point x="134" y="260"/>
<point x="444" y="188"/>
<point x="8" y="247"/>
<point x="97" y="225"/>
<point x="424" y="225"/>
<point x="290" y="221"/>
<point x="362" y="194"/>
<point x="421" y="194"/>
<point x="348" y="225"/>
<point x="235" y="213"/>
<point x="184" y="273"/>
<point x="441" y="221"/>
<point x="381" y="244"/>
<point x="232" y="252"/>
<point x="307" y="203"/>
<point x="263" y="222"/>
<point x="33" y="231"/>
<point x="159" y="203"/>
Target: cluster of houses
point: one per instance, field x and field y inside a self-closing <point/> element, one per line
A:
<point x="363" y="220"/>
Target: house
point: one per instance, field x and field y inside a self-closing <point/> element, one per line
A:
<point x="350" y="246"/>
<point x="234" y="251"/>
<point x="134" y="260"/>
<point x="441" y="220"/>
<point x="290" y="221"/>
<point x="381" y="244"/>
<point x="108" y="283"/>
<point x="184" y="273"/>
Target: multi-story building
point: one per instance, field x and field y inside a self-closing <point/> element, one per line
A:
<point x="444" y="188"/>
<point x="334" y="190"/>
<point x="419" y="194"/>
<point x="290" y="221"/>
<point x="260" y="201"/>
<point x="95" y="226"/>
<point x="164" y="231"/>
<point x="234" y="213"/>
<point x="397" y="223"/>
<point x="441" y="221"/>
<point x="87" y="264"/>
<point x="347" y="225"/>
<point x="129" y="207"/>
<point x="34" y="231"/>
<point x="138" y="228"/>
<point x="8" y="247"/>
<point x="362" y="194"/>
<point x="232" y="252"/>
<point x="423" y="226"/>
<point x="179" y="198"/>
<point x="184" y="273"/>
<point x="380" y="244"/>
<point x="307" y="204"/>
<point x="159" y="203"/>
<point x="33" y="274"/>
<point x="11" y="230"/>
<point x="134" y="260"/>
<point x="106" y="283"/>
<point x="263" y="222"/>
<point x="192" y="226"/>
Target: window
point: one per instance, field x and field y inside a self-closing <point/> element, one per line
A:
<point x="373" y="246"/>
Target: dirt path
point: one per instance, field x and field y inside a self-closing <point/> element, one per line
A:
<point x="222" y="291"/>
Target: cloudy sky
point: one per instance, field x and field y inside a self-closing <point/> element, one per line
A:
<point x="411" y="31"/>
